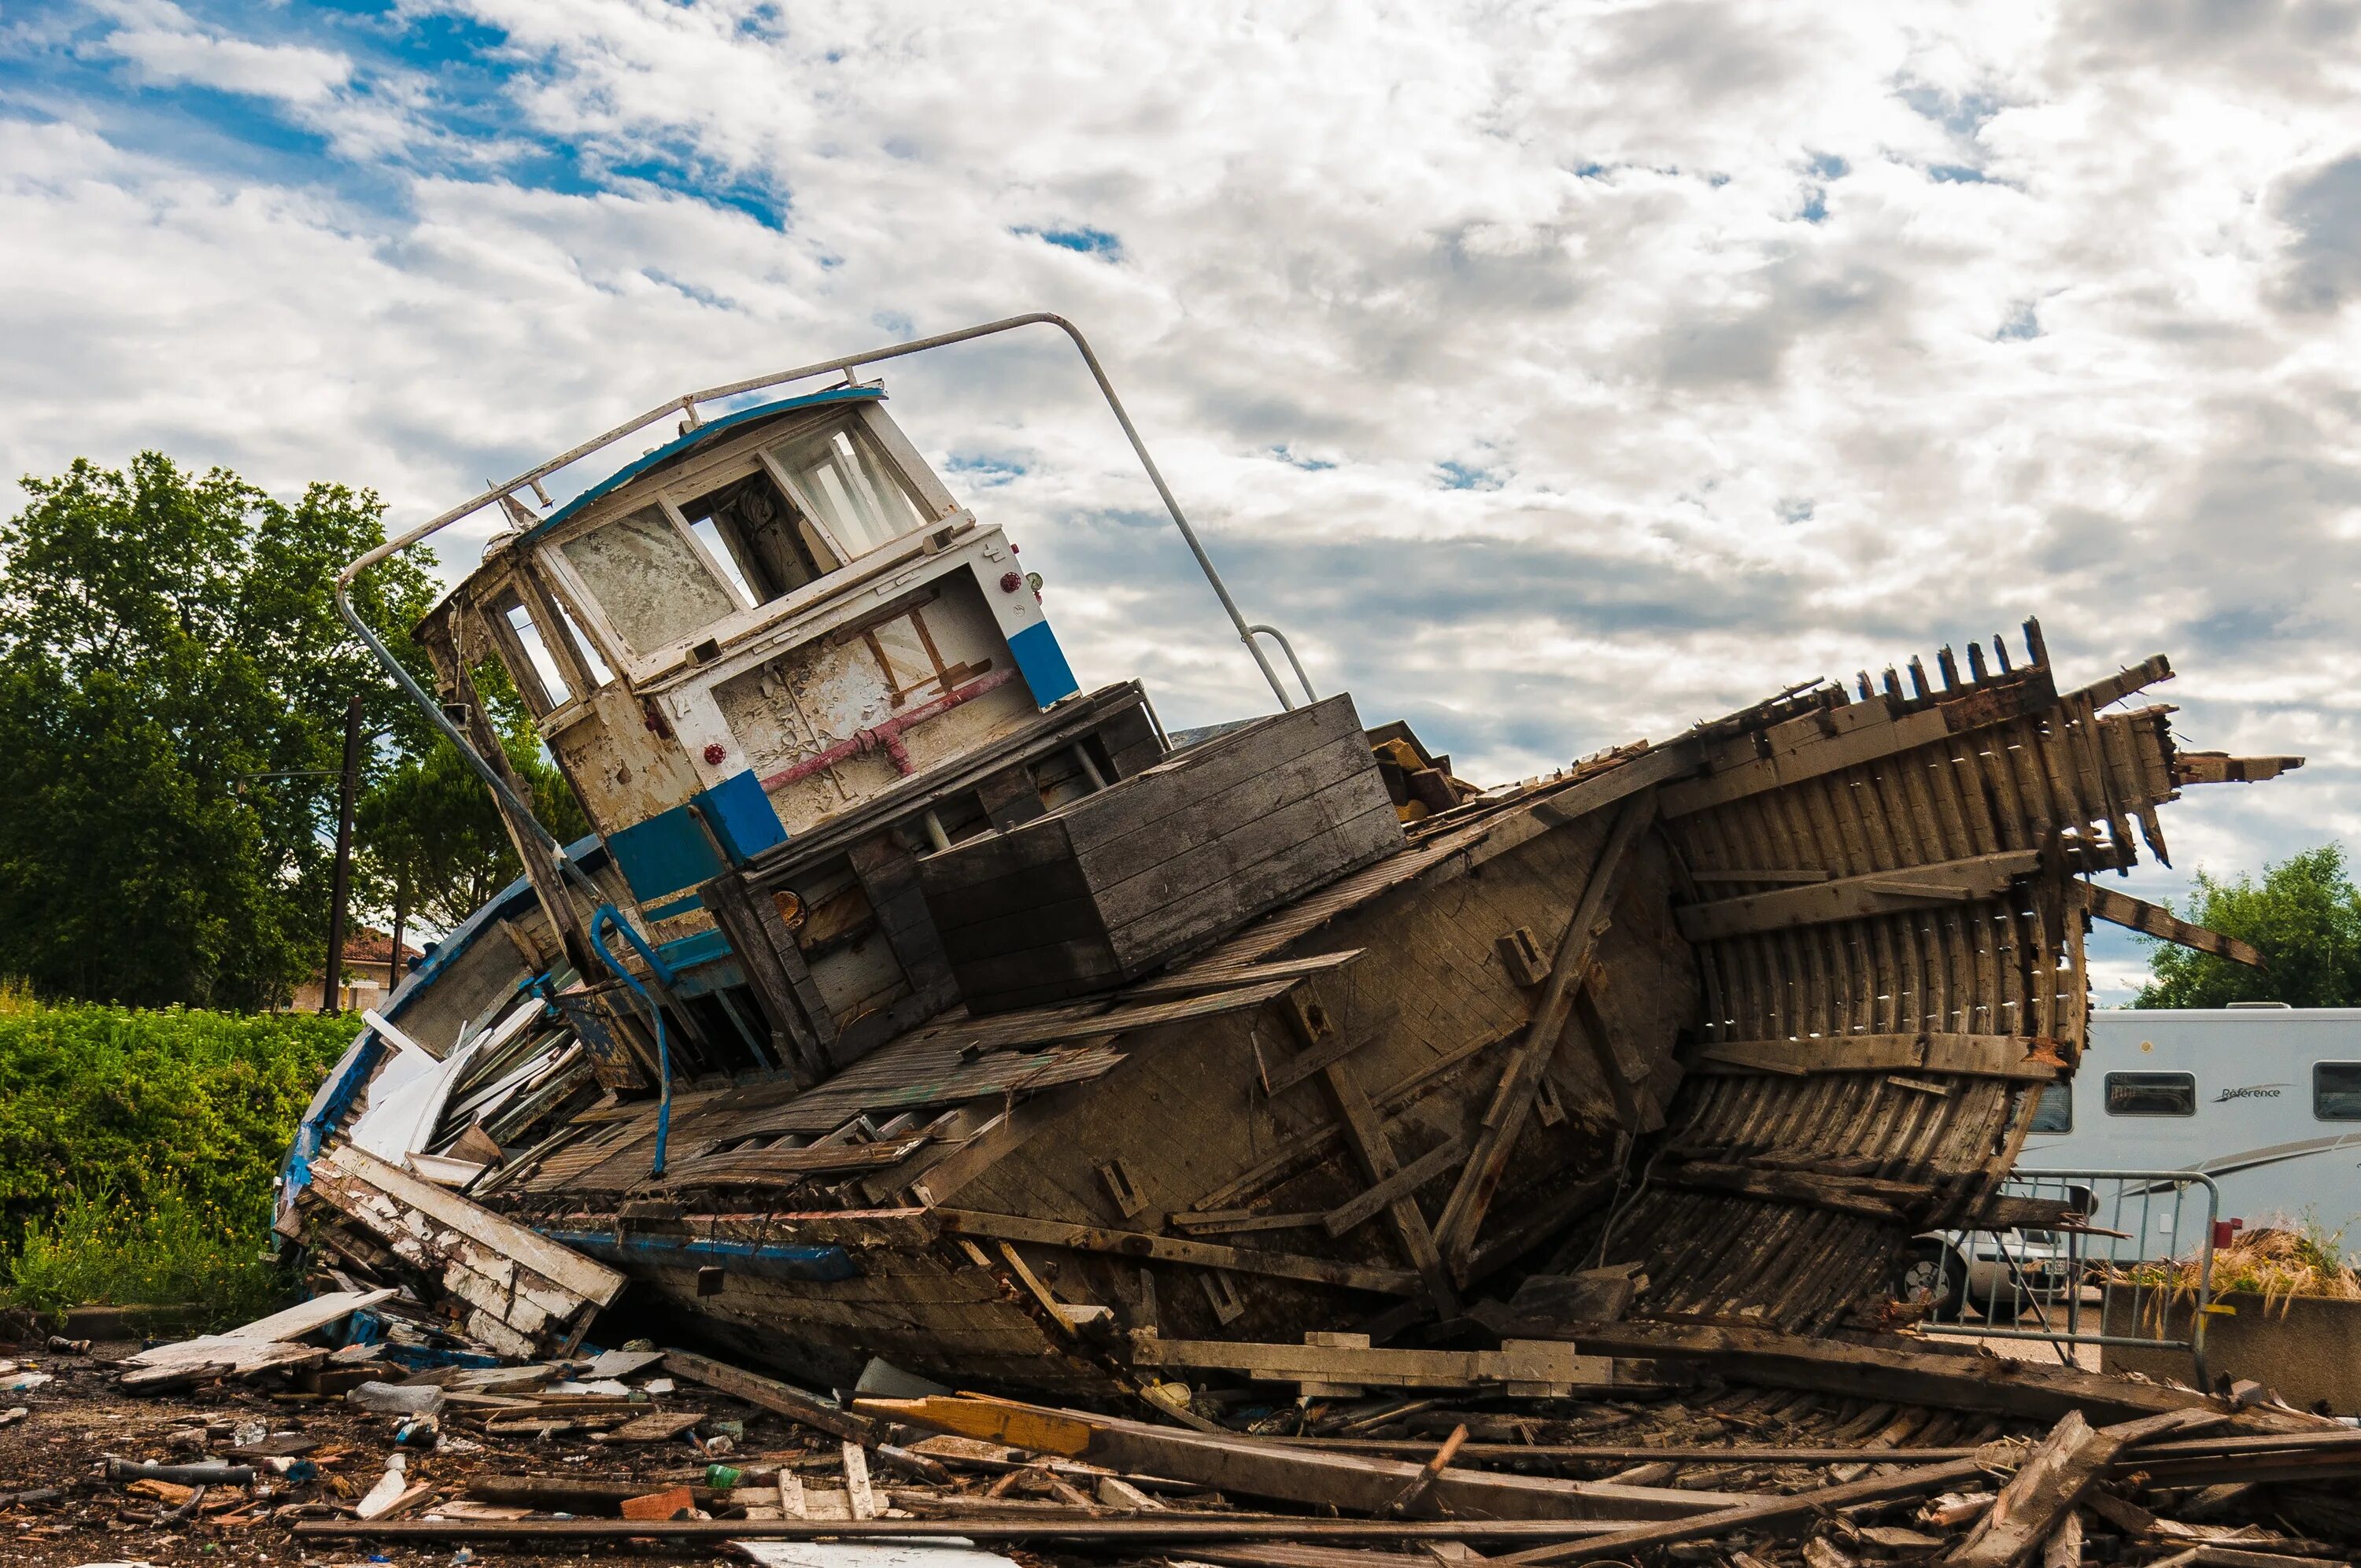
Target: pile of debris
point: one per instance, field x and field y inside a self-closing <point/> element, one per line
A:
<point x="361" y="1419"/>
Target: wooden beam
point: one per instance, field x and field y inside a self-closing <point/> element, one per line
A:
<point x="1897" y="1201"/>
<point x="1523" y="1368"/>
<point x="1522" y="824"/>
<point x="1187" y="983"/>
<point x="2121" y="683"/>
<point x="1253" y="1467"/>
<point x="1965" y="1056"/>
<point x="1463" y="1213"/>
<point x="2220" y="767"/>
<point x="1172" y="1249"/>
<point x="1146" y="1531"/>
<point x="779" y="1399"/>
<point x="2153" y="920"/>
<point x="1894" y="1373"/>
<point x="1400" y="1185"/>
<point x="1877" y="893"/>
<point x="1281" y="1076"/>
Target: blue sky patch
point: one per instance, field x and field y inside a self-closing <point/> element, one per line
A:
<point x="984" y="472"/>
<point x="1465" y="476"/>
<point x="1294" y="459"/>
<point x="1083" y="241"/>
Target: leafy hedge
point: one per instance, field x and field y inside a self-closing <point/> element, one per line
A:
<point x="151" y="1110"/>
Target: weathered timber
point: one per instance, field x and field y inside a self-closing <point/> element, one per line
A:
<point x="1504" y="1118"/>
<point x="1255" y="1468"/>
<point x="1849" y="898"/>
<point x="1964" y="1056"/>
<point x="2220" y="767"/>
<point x="1888" y="1372"/>
<point x="1172" y="1249"/>
<point x="1875" y="1200"/>
<point x="1109" y="885"/>
<point x="1169" y="1527"/>
<point x="1535" y="1368"/>
<point x="2153" y="920"/>
<point x="780" y="1398"/>
<point x="2052" y="1479"/>
<point x="1393" y="1188"/>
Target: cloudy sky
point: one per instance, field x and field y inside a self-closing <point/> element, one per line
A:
<point x="1555" y="374"/>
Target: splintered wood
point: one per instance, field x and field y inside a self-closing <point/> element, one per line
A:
<point x="525" y="1294"/>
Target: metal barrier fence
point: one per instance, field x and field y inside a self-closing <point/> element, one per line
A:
<point x="2143" y="1239"/>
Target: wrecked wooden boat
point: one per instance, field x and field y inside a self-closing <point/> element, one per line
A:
<point x="913" y="1002"/>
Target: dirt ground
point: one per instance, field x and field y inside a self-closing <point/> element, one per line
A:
<point x="77" y="1420"/>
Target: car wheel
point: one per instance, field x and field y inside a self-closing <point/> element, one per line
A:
<point x="1931" y="1275"/>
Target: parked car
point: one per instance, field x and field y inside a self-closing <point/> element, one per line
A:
<point x="2001" y="1274"/>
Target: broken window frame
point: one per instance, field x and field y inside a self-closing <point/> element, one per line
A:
<point x="506" y="600"/>
<point x="554" y="567"/>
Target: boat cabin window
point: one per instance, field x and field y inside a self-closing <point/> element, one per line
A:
<point x="849" y="488"/>
<point x="755" y="537"/>
<point x="655" y="583"/>
<point x="2336" y="1091"/>
<point x="539" y="680"/>
<point x="584" y="649"/>
<point x="2151" y="1094"/>
<point x="2055" y="1111"/>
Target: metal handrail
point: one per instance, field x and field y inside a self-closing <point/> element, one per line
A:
<point x="685" y="405"/>
<point x="1275" y="634"/>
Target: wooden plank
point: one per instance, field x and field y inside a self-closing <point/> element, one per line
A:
<point x="756" y="944"/>
<point x="2113" y="688"/>
<point x="1170" y="1249"/>
<point x="1286" y="1074"/>
<point x="1522" y="824"/>
<point x="780" y="1398"/>
<point x="2122" y="909"/>
<point x="1197" y="981"/>
<point x="1531" y="1369"/>
<point x="812" y="1160"/>
<point x="1898" y="1201"/>
<point x="1968" y="1056"/>
<point x="1889" y="1373"/>
<point x="1877" y="893"/>
<point x="1253" y="1467"/>
<point x="2220" y="767"/>
<point x="2052" y="1479"/>
<point x="1463" y="1213"/>
<point x="1400" y="1185"/>
<point x="1211" y="1528"/>
<point x="590" y="1280"/>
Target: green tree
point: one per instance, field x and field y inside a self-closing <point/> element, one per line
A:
<point x="2304" y="916"/>
<point x="165" y="639"/>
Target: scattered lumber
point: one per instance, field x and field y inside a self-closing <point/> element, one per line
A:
<point x="266" y="1344"/>
<point x="2052" y="1480"/>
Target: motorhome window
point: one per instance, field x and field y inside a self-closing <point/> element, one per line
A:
<point x="2336" y="1091"/>
<point x="754" y="533"/>
<point x="2151" y="1094"/>
<point x="848" y="485"/>
<point x="653" y="586"/>
<point x="540" y="682"/>
<point x="2055" y="1111"/>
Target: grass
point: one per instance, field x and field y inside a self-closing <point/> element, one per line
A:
<point x="138" y="1148"/>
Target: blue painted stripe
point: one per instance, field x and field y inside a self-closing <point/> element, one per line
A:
<point x="742" y="816"/>
<point x="1043" y="664"/>
<point x="701" y="946"/>
<point x="821" y="1265"/>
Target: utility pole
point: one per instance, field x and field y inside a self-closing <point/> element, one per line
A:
<point x="331" y="978"/>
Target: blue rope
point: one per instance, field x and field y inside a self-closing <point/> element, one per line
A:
<point x="608" y="916"/>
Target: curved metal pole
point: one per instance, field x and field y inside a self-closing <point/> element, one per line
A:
<point x="1289" y="649"/>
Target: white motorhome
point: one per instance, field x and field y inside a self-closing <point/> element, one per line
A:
<point x="2264" y="1098"/>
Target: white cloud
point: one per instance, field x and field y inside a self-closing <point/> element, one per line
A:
<point x="170" y="48"/>
<point x="2071" y="334"/>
